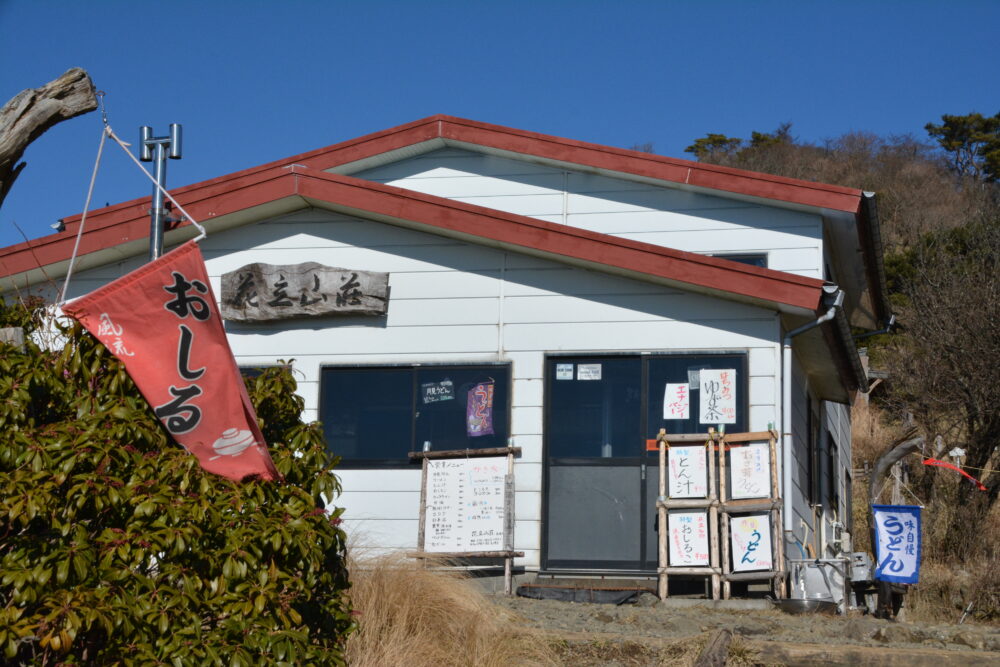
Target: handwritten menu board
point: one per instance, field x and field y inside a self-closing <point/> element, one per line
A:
<point x="717" y="402"/>
<point x="751" y="471"/>
<point x="688" y="538"/>
<point x="465" y="504"/>
<point x="687" y="476"/>
<point x="750" y="539"/>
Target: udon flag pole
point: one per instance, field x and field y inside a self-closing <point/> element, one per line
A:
<point x="162" y="323"/>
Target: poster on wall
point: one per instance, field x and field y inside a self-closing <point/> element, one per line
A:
<point x="687" y="474"/>
<point x="677" y="401"/>
<point x="717" y="398"/>
<point x="897" y="528"/>
<point x="465" y="504"/>
<point x="750" y="542"/>
<point x="435" y="392"/>
<point x="479" y="410"/>
<point x="688" y="538"/>
<point x="751" y="471"/>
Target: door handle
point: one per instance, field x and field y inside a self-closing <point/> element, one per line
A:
<point x="642" y="471"/>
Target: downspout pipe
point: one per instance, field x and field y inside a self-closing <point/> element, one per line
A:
<point x="884" y="330"/>
<point x="786" y="404"/>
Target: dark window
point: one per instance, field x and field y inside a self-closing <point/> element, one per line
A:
<point x="832" y="473"/>
<point x="746" y="258"/>
<point x="685" y="368"/>
<point x="376" y="416"/>
<point x="594" y="417"/>
<point x="813" y="434"/>
<point x="607" y="407"/>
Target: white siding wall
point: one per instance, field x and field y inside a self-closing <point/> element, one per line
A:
<point x="660" y="215"/>
<point x="457" y="302"/>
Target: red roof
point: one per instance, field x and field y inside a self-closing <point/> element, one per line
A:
<point x="128" y="221"/>
<point x="443" y="216"/>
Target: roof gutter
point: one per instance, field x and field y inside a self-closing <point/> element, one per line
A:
<point x="871" y="240"/>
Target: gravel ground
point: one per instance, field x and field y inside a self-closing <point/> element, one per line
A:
<point x="650" y="622"/>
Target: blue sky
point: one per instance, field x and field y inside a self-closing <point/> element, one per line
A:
<point x="256" y="80"/>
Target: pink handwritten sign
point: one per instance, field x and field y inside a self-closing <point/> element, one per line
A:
<point x="677" y="401"/>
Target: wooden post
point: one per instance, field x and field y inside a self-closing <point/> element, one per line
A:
<point x="713" y="519"/>
<point x="508" y="520"/>
<point x="421" y="526"/>
<point x="777" y="540"/>
<point x="720" y="442"/>
<point x="661" y="518"/>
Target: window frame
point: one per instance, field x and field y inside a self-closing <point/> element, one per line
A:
<point x="497" y="370"/>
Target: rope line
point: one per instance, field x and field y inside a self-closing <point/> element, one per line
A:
<point x="83" y="218"/>
<point x="105" y="133"/>
<point x="202" y="233"/>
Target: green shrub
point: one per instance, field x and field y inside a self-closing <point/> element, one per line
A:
<point x="115" y="546"/>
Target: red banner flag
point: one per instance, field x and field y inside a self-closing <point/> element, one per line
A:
<point x="950" y="466"/>
<point x="161" y="321"/>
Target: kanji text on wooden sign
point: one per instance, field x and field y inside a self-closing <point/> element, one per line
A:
<point x="263" y="292"/>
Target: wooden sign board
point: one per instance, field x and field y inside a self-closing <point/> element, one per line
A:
<point x="266" y="292"/>
<point x="688" y="538"/>
<point x="750" y="539"/>
<point x="750" y="467"/>
<point x="687" y="474"/>
<point x="465" y="505"/>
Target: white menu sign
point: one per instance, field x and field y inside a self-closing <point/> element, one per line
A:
<point x="688" y="538"/>
<point x="677" y="401"/>
<point x="465" y="504"/>
<point x="751" y="471"/>
<point x="751" y="542"/>
<point x="717" y="399"/>
<point x="687" y="475"/>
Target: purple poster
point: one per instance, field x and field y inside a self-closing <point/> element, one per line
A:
<point x="479" y="410"/>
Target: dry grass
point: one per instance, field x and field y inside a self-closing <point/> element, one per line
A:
<point x="641" y="652"/>
<point x="959" y="565"/>
<point x="416" y="616"/>
<point x="871" y="435"/>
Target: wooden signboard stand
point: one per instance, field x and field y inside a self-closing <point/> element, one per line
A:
<point x="720" y="510"/>
<point x="664" y="504"/>
<point x="452" y="509"/>
<point x="770" y="505"/>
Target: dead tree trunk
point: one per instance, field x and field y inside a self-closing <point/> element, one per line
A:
<point x="33" y="111"/>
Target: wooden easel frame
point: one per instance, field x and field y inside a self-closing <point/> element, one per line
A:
<point x="507" y="553"/>
<point x="770" y="504"/>
<point x="664" y="503"/>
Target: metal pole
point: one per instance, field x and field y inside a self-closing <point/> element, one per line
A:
<point x="158" y="149"/>
<point x="156" y="212"/>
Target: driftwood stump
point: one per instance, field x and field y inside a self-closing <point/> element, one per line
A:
<point x="33" y="111"/>
<point x="716" y="651"/>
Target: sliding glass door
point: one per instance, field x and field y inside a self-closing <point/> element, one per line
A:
<point x="600" y="480"/>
